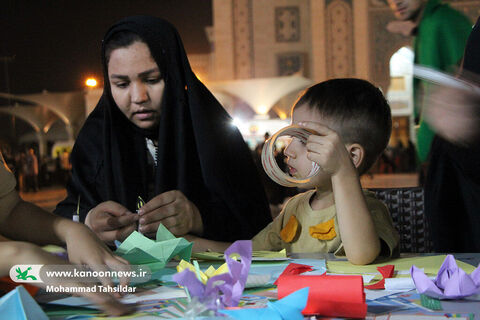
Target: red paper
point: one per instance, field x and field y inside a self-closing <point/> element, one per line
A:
<point x="386" y="272"/>
<point x="329" y="296"/>
<point x="7" y="285"/>
<point x="293" y="269"/>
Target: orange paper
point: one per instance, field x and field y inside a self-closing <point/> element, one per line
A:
<point x="7" y="285"/>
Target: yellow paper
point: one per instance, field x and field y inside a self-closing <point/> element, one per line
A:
<point x="282" y="254"/>
<point x="430" y="265"/>
<point x="204" y="276"/>
<point x="256" y="255"/>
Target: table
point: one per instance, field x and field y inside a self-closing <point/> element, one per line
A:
<point x="449" y="306"/>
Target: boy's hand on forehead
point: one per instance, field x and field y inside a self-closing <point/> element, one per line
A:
<point x="174" y="211"/>
<point x="111" y="221"/>
<point x="326" y="148"/>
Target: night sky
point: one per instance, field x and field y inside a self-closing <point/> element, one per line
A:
<point x="56" y="43"/>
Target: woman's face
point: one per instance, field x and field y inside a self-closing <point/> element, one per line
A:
<point x="136" y="83"/>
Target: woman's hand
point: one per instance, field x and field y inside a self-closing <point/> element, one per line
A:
<point x="174" y="211"/>
<point x="15" y="252"/>
<point x="111" y="221"/>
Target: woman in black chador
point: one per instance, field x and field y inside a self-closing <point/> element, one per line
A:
<point x="157" y="133"/>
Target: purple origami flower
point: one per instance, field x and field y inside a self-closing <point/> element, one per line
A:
<point x="451" y="281"/>
<point x="223" y="290"/>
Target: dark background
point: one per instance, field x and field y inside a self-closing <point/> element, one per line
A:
<point x="56" y="43"/>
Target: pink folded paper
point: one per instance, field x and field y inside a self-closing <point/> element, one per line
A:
<point x="451" y="281"/>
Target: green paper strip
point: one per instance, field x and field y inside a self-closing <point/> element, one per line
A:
<point x="430" y="303"/>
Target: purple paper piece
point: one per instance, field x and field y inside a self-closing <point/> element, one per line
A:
<point x="223" y="290"/>
<point x="448" y="267"/>
<point x="475" y="275"/>
<point x="424" y="284"/>
<point x="451" y="281"/>
<point x="188" y="279"/>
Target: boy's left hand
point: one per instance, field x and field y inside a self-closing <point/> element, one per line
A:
<point x="326" y="148"/>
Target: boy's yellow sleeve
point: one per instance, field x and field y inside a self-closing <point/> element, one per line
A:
<point x="269" y="237"/>
<point x="384" y="226"/>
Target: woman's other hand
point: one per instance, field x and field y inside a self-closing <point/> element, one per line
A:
<point x="174" y="211"/>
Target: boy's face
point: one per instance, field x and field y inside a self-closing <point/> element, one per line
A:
<point x="299" y="165"/>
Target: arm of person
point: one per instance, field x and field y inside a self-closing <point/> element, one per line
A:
<point x="357" y="230"/>
<point x="202" y="244"/>
<point x="16" y="252"/>
<point x="24" y="221"/>
<point x="359" y="237"/>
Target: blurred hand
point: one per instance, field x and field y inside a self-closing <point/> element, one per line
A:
<point x="174" y="211"/>
<point x="454" y="114"/>
<point x="16" y="252"/>
<point x="85" y="248"/>
<point x="111" y="221"/>
<point x="404" y="28"/>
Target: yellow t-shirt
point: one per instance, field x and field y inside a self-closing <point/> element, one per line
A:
<point x="299" y="228"/>
<point x="7" y="180"/>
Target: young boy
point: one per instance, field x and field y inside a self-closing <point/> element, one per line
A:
<point x="353" y="124"/>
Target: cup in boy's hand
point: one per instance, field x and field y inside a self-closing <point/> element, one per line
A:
<point x="270" y="165"/>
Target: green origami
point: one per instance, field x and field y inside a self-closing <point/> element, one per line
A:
<point x="140" y="250"/>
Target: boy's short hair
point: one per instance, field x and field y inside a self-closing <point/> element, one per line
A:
<point x="358" y="112"/>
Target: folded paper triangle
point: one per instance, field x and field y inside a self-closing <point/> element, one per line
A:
<point x="18" y="304"/>
<point x="288" y="308"/>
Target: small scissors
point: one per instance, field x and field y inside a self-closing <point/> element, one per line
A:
<point x="140" y="203"/>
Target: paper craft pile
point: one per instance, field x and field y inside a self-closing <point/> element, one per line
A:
<point x="451" y="281"/>
<point x="220" y="290"/>
<point x="140" y="250"/>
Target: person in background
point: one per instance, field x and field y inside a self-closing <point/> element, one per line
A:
<point x="440" y="35"/>
<point x="452" y="186"/>
<point x="159" y="134"/>
<point x="336" y="215"/>
<point x="31" y="171"/>
<point x="24" y="226"/>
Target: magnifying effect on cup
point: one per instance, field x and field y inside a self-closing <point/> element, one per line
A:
<point x="270" y="165"/>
